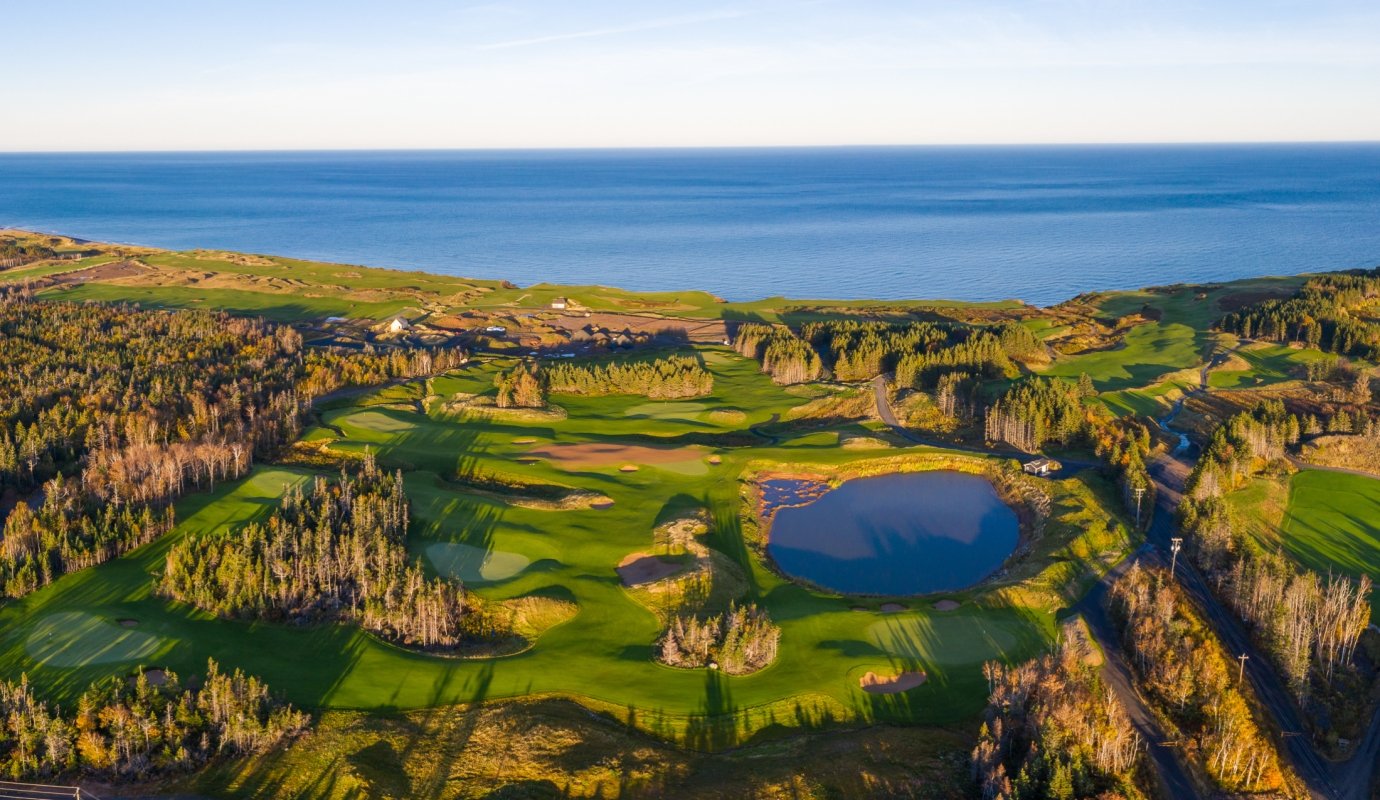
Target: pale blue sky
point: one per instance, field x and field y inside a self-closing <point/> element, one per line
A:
<point x="522" y="73"/>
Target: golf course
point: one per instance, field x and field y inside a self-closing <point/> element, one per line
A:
<point x="481" y="484"/>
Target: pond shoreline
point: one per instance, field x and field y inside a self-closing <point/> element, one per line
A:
<point x="1016" y="491"/>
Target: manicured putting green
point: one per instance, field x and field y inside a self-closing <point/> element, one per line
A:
<point x="379" y="421"/>
<point x="77" y="638"/>
<point x="667" y="410"/>
<point x="475" y="564"/>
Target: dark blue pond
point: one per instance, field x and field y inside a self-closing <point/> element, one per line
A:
<point x="897" y="534"/>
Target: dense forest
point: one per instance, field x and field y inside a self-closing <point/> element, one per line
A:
<point x="919" y="353"/>
<point x="670" y="378"/>
<point x="1309" y="624"/>
<point x="335" y="552"/>
<point x="126" y="728"/>
<point x="108" y="413"/>
<point x="1052" y="729"/>
<point x="1329" y="312"/>
<point x="739" y="641"/>
<point x="1183" y="672"/>
<point x="14" y="252"/>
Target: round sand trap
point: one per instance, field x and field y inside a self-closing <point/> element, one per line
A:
<point x="78" y="639"/>
<point x="715" y="460"/>
<point x="637" y="569"/>
<point x="628" y="468"/>
<point x="128" y="623"/>
<point x="946" y="605"/>
<point x="892" y="608"/>
<point x="873" y="683"/>
<point x="475" y="564"/>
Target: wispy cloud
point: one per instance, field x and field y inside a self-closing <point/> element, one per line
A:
<point x="635" y="27"/>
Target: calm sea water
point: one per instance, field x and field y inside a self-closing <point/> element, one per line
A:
<point x="1036" y="223"/>
<point x="897" y="534"/>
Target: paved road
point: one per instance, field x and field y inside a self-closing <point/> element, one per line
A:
<point x="1172" y="775"/>
<point x="1116" y="672"/>
<point x="1349" y="780"/>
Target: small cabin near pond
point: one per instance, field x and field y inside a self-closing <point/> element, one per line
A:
<point x="560" y="303"/>
<point x="398" y="324"/>
<point x="1041" y="466"/>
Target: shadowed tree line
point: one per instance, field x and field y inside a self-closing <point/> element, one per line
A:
<point x="919" y="353"/>
<point x="126" y="729"/>
<point x="1052" y="729"/>
<point x="1184" y="673"/>
<point x="135" y="408"/>
<point x="1322" y="314"/>
<point x="1310" y="625"/>
<point x="337" y="552"/>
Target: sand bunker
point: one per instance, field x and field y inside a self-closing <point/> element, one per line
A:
<point x="873" y="683"/>
<point x="525" y="440"/>
<point x="892" y="608"/>
<point x="637" y="569"/>
<point x="628" y="468"/>
<point x="602" y="455"/>
<point x="715" y="460"/>
<point x="946" y="605"/>
<point x="601" y="505"/>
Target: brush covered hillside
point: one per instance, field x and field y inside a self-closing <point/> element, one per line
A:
<point x="369" y="533"/>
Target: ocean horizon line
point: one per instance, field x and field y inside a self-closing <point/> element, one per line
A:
<point x="754" y="148"/>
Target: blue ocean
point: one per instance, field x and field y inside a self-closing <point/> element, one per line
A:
<point x="1036" y="223"/>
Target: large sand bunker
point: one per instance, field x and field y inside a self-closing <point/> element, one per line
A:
<point x="592" y="454"/>
<point x="872" y="683"/>
<point x="637" y="569"/>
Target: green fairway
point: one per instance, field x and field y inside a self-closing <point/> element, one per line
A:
<point x="510" y="539"/>
<point x="1269" y="364"/>
<point x="1147" y="352"/>
<point x="76" y="638"/>
<point x="279" y="307"/>
<point x="1333" y="524"/>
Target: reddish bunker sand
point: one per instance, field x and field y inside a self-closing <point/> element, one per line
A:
<point x="890" y="684"/>
<point x="946" y="605"/>
<point x="637" y="569"/>
<point x="599" y="455"/>
<point x="892" y="608"/>
<point x="628" y="468"/>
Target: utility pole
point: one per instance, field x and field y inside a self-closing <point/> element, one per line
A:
<point x="1175" y="545"/>
<point x="1241" y="672"/>
<point x="1140" y="492"/>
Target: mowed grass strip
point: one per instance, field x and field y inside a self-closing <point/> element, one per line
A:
<point x="1333" y="524"/>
